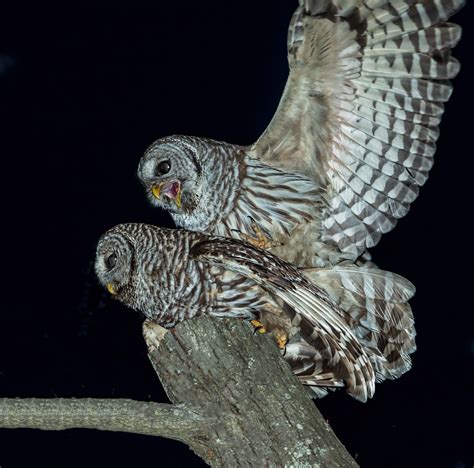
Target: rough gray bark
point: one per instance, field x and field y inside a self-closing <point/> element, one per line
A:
<point x="236" y="401"/>
<point x="156" y="419"/>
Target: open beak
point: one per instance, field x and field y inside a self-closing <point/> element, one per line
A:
<point x="170" y="189"/>
<point x="110" y="287"/>
<point x="155" y="190"/>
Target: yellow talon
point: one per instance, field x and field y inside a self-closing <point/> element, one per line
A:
<point x="259" y="327"/>
<point x="260" y="240"/>
<point x="281" y="339"/>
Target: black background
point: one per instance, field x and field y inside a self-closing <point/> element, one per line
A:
<point x="84" y="91"/>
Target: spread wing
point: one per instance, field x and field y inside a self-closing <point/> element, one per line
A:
<point x="362" y="106"/>
<point x="321" y="323"/>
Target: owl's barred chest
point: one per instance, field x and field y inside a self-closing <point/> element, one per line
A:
<point x="254" y="200"/>
<point x="283" y="207"/>
<point x="288" y="219"/>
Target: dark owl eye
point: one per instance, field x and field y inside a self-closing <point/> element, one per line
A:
<point x="163" y="168"/>
<point x="111" y="261"/>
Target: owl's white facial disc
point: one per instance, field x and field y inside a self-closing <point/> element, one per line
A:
<point x="113" y="261"/>
<point x="171" y="173"/>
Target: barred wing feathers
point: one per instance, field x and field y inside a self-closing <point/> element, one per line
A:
<point x="361" y="107"/>
<point x="321" y="327"/>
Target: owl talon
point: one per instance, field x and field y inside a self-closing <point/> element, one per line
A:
<point x="281" y="339"/>
<point x="259" y="327"/>
<point x="260" y="240"/>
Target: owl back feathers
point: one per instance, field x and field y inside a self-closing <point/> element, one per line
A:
<point x="350" y="326"/>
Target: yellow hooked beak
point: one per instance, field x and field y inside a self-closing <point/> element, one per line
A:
<point x="170" y="189"/>
<point x="155" y="190"/>
<point x="110" y="287"/>
<point x="177" y="200"/>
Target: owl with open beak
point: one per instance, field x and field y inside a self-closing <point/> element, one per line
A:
<point x="350" y="144"/>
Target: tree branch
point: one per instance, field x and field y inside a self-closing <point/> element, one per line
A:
<point x="56" y="414"/>
<point x="236" y="401"/>
<point x="266" y="416"/>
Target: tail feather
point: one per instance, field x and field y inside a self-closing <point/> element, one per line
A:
<point x="311" y="368"/>
<point x="376" y="308"/>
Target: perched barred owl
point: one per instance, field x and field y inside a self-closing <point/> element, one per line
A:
<point x="348" y="148"/>
<point x="353" y="329"/>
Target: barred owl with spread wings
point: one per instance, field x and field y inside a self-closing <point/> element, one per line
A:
<point x="350" y="144"/>
<point x="343" y="326"/>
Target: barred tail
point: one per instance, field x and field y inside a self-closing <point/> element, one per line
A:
<point x="375" y="305"/>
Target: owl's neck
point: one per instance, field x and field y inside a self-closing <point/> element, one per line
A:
<point x="218" y="190"/>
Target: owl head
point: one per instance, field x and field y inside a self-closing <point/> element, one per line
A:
<point x="114" y="262"/>
<point x="134" y="263"/>
<point x="171" y="172"/>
